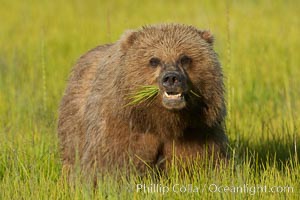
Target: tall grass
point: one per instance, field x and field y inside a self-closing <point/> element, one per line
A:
<point x="40" y="40"/>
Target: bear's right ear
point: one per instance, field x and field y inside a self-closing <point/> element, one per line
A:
<point x="127" y="39"/>
<point x="207" y="36"/>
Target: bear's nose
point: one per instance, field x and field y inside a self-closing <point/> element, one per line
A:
<point x="171" y="79"/>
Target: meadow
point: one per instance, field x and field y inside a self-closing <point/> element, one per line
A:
<point x="258" y="45"/>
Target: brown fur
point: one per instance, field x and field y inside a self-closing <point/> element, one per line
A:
<point x="96" y="127"/>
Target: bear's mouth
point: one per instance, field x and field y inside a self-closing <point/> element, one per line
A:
<point x="173" y="100"/>
<point x="173" y="95"/>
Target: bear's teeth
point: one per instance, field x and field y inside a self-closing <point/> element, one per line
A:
<point x="173" y="96"/>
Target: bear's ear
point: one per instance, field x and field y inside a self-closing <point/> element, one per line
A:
<point x="207" y="36"/>
<point x="127" y="39"/>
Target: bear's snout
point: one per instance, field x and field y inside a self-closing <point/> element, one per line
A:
<point x="173" y="85"/>
<point x="171" y="80"/>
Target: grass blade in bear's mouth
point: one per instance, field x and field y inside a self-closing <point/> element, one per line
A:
<point x="194" y="93"/>
<point x="143" y="93"/>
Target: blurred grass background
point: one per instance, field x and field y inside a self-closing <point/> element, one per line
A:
<point x="258" y="45"/>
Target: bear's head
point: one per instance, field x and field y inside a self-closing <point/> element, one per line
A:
<point x="181" y="62"/>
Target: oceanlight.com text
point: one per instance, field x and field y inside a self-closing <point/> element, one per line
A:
<point x="213" y="188"/>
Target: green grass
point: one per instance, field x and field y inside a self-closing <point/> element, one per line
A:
<point x="143" y="93"/>
<point x="258" y="45"/>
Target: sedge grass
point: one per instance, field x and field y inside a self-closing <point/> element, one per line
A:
<point x="142" y="94"/>
<point x="145" y="93"/>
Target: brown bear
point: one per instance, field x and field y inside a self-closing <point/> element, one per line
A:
<point x="99" y="130"/>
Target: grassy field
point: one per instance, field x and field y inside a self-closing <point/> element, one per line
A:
<point x="258" y="45"/>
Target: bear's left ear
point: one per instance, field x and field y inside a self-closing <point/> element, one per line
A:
<point x="207" y="36"/>
<point x="127" y="39"/>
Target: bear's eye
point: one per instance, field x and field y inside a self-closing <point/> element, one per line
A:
<point x="185" y="60"/>
<point x="154" y="62"/>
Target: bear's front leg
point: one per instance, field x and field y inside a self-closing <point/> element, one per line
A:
<point x="123" y="150"/>
<point x="144" y="152"/>
<point x="186" y="153"/>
